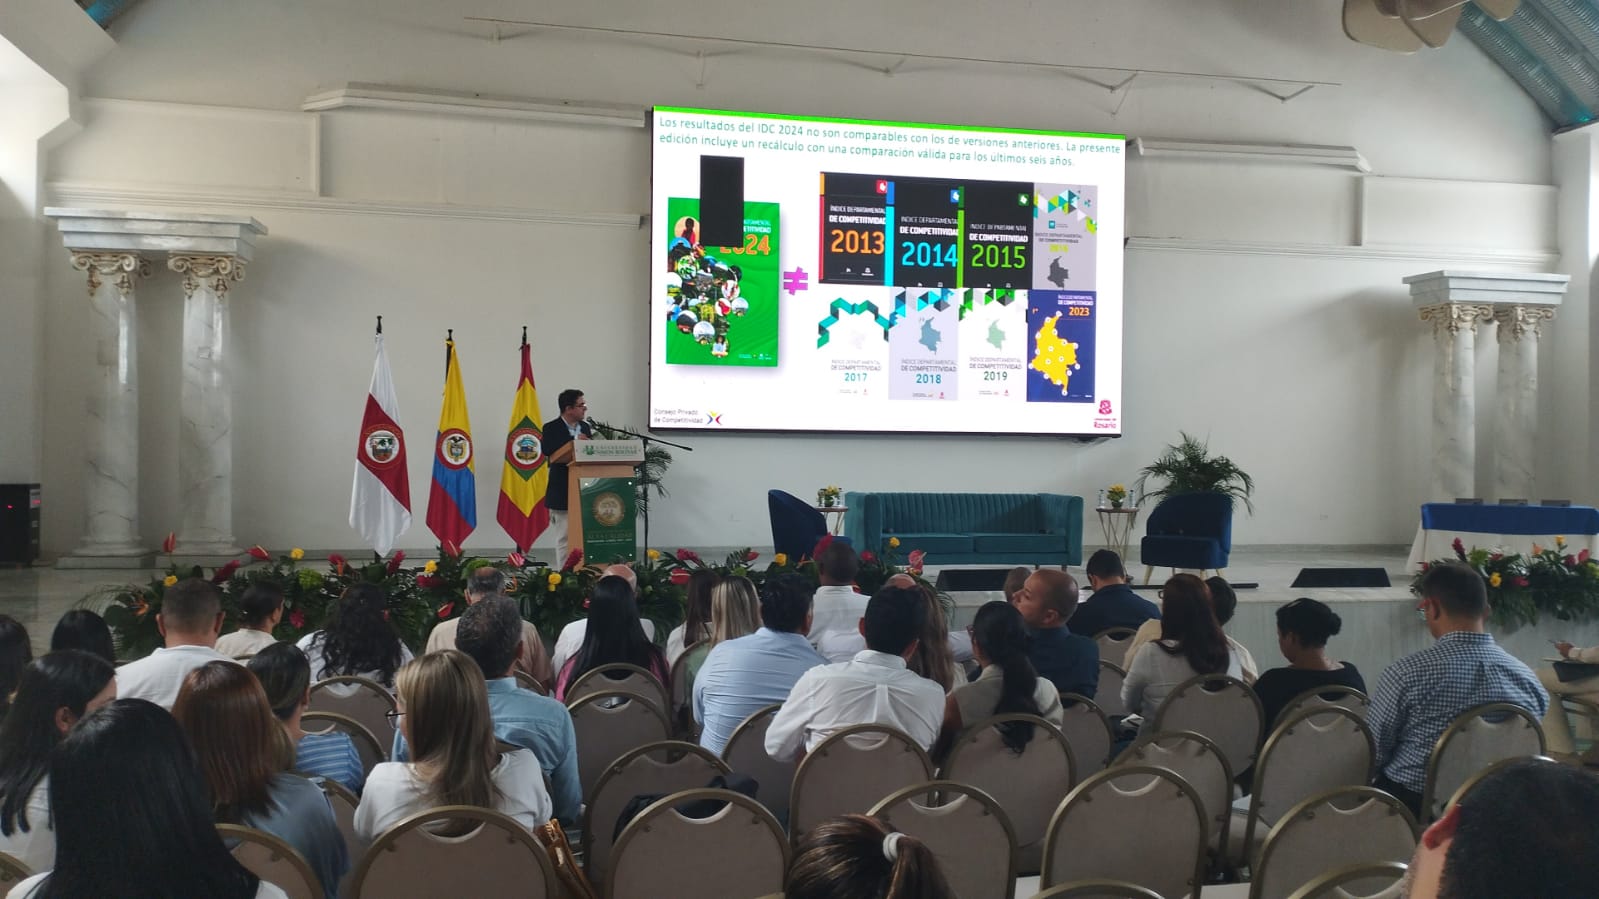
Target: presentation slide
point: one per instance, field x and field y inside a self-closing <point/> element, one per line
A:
<point x="892" y="277"/>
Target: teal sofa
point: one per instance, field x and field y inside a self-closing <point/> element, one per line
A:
<point x="971" y="528"/>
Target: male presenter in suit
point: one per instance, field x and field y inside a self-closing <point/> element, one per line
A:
<point x="559" y="432"/>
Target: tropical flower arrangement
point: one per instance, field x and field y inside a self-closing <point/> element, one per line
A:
<point x="1549" y="580"/>
<point x="828" y="496"/>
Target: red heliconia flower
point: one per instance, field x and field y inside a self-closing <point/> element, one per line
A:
<point x="445" y="610"/>
<point x="679" y="577"/>
<point x="572" y="560"/>
<point x="516" y="558"/>
<point x="1571" y="561"/>
<point x="297" y="618"/>
<point x="169" y="544"/>
<point x="1583" y="556"/>
<point x="1426" y="566"/>
<point x="259" y="552"/>
<point x="337" y="561"/>
<point x="451" y="550"/>
<point x="1522" y="582"/>
<point x="687" y="555"/>
<point x="225" y="572"/>
<point x="916" y="558"/>
<point x="821" y="545"/>
<point x="868" y="556"/>
<point x="394" y="563"/>
<point x="1496" y="557"/>
<point x="751" y="556"/>
<point x="426" y="580"/>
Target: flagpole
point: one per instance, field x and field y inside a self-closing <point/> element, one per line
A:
<point x="380" y="326"/>
<point x="449" y="338"/>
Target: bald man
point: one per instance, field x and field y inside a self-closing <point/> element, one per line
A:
<point x="571" y="638"/>
<point x="1069" y="661"/>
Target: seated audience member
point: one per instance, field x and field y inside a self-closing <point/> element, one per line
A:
<point x="1007" y="685"/>
<point x="1556" y="728"/>
<point x="875" y="687"/>
<point x="837" y="608"/>
<point x="15" y="653"/>
<point x="960" y="642"/>
<point x="696" y="626"/>
<point x="357" y="641"/>
<point x="285" y="675"/>
<point x="614" y="635"/>
<point x="1223" y="602"/>
<point x="1069" y="661"/>
<point x="132" y="818"/>
<point x="934" y="658"/>
<point x="260" y="610"/>
<point x="571" y="636"/>
<point x="1528" y="829"/>
<point x="85" y="630"/>
<point x="56" y="690"/>
<point x="1419" y="695"/>
<point x="491" y="635"/>
<point x="1113" y="603"/>
<point x="1015" y="579"/>
<point x="245" y="755"/>
<point x="858" y="857"/>
<point x="1303" y="627"/>
<point x="744" y="675"/>
<point x="735" y="612"/>
<point x="1191" y="643"/>
<point x="444" y="716"/>
<point x="190" y="620"/>
<point x="483" y="582"/>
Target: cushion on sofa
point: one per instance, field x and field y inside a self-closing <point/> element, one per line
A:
<point x="962" y="512"/>
<point x="1019" y="543"/>
<point x="934" y="542"/>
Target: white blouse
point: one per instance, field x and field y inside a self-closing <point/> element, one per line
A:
<point x="394" y="793"/>
<point x="1156" y="672"/>
<point x="36" y="846"/>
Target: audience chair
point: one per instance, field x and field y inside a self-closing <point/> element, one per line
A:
<point x="1113" y="642"/>
<point x="966" y="829"/>
<point x="344" y="804"/>
<point x="1089" y="733"/>
<point x="1330" y="832"/>
<point x="1098" y="889"/>
<point x="360" y="698"/>
<point x="1584" y="717"/>
<point x="1108" y="695"/>
<point x="666" y="767"/>
<point x="273" y="860"/>
<point x="1317" y="750"/>
<point x="1197" y="760"/>
<point x="1189" y="530"/>
<point x="609" y="725"/>
<point x="1219" y="707"/>
<point x="12" y="871"/>
<point x="1477" y="778"/>
<point x="1028" y="785"/>
<point x="745" y="753"/>
<point x="1137" y="824"/>
<point x="850" y="771"/>
<point x="634" y="680"/>
<point x="529" y="682"/>
<point x="739" y="851"/>
<point x="1476" y="739"/>
<point x="1317" y="697"/>
<point x="683" y="723"/>
<point x="367" y="745"/>
<point x="1335" y="884"/>
<point x="496" y="857"/>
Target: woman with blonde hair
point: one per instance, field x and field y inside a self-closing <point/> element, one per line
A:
<point x="444" y="716"/>
<point x="735" y="612"/>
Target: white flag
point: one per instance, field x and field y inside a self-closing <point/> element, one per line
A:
<point x="380" y="500"/>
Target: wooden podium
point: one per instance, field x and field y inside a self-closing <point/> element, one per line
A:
<point x="592" y="459"/>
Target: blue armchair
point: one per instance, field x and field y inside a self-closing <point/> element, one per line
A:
<point x="1189" y="530"/>
<point x="796" y="527"/>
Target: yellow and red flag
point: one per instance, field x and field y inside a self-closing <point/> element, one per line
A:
<point x="526" y="475"/>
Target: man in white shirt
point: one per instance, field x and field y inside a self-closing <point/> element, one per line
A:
<point x="571" y="638"/>
<point x="837" y="609"/>
<point x="874" y="687"/>
<point x="534" y="660"/>
<point x="190" y="620"/>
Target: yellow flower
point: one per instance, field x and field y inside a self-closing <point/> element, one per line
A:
<point x="893" y="542"/>
<point x="296" y="554"/>
<point x="555" y="578"/>
<point x="169" y="580"/>
<point x="1118" y="488"/>
<point x="430" y="567"/>
<point x="780" y="560"/>
<point x="1559" y="542"/>
<point x="653" y="554"/>
<point x="1494" y="579"/>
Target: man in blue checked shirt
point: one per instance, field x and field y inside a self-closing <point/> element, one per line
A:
<point x="1419" y="695"/>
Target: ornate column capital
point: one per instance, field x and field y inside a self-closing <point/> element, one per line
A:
<point x="197" y="268"/>
<point x="120" y="266"/>
<point x="1456" y="317"/>
<point x="1519" y="321"/>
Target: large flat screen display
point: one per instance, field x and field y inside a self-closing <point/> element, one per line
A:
<point x="892" y="277"/>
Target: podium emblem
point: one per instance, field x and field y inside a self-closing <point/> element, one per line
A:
<point x="609" y="510"/>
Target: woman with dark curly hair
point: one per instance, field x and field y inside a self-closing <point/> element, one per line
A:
<point x="358" y="640"/>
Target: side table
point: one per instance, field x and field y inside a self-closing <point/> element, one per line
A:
<point x="837" y="515"/>
<point x="1118" y="527"/>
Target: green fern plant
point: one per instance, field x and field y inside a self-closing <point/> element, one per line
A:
<point x="651" y="472"/>
<point x="1188" y="467"/>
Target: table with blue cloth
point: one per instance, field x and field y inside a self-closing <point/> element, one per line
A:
<point x="1509" y="529"/>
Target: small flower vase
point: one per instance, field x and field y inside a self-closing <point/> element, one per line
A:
<point x="829" y="501"/>
<point x="1116" y="503"/>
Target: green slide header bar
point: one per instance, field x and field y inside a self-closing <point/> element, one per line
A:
<point x="880" y="123"/>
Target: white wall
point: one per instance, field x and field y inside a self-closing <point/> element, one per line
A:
<point x="1264" y="307"/>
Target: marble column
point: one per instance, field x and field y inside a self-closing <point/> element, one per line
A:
<point x="205" y="405"/>
<point x="1516" y="413"/>
<point x="111" y="438"/>
<point x="1454" y="397"/>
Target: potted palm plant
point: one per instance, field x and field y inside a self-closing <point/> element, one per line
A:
<point x="1189" y="467"/>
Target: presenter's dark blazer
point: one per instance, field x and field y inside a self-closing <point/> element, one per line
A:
<point x="557" y="435"/>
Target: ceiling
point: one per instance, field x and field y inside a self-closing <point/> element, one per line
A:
<point x="1551" y="48"/>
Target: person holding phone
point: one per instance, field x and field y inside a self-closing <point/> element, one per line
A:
<point x="1556" y="727"/>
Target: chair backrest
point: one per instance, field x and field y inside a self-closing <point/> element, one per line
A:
<point x="360" y="698"/>
<point x="1194" y="515"/>
<point x="1318" y="750"/>
<point x="273" y="860"/>
<point x="12" y="871"/>
<point x="1357" y="882"/>
<point x="1332" y="695"/>
<point x="1113" y="641"/>
<point x="633" y="680"/>
<point x="664" y="853"/>
<point x="1088" y="731"/>
<point x="1220" y="707"/>
<point x="1097" y="889"/>
<point x="795" y="525"/>
<point x="529" y="682"/>
<point x="344" y="804"/>
<point x="1473" y="780"/>
<point x="745" y="753"/>
<point x="1331" y="831"/>
<point x="1108" y="695"/>
<point x="1109" y="822"/>
<point x="965" y="828"/>
<point x="1197" y="760"/>
<point x="850" y="771"/>
<point x="1029" y="785"/>
<point x="496" y="857"/>
<point x="1476" y="739"/>
<point x="666" y="767"/>
<point x="682" y="689"/>
<point x="609" y="725"/>
<point x="367" y="745"/>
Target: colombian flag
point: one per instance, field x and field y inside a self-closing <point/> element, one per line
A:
<point x="526" y="474"/>
<point x="452" y="503"/>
